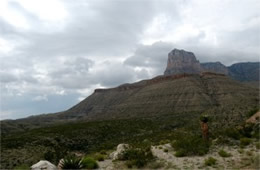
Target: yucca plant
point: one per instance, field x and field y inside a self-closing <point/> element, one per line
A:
<point x="71" y="162"/>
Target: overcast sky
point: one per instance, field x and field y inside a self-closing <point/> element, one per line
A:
<point x="54" y="53"/>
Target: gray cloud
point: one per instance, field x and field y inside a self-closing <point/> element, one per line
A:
<point x="47" y="60"/>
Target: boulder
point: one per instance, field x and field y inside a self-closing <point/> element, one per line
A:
<point x="118" y="154"/>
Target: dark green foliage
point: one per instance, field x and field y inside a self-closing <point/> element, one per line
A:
<point x="204" y="118"/>
<point x="210" y="161"/>
<point x="89" y="163"/>
<point x="137" y="157"/>
<point x="180" y="153"/>
<point x="165" y="150"/>
<point x="252" y="112"/>
<point x="244" y="142"/>
<point x="223" y="153"/>
<point x="71" y="162"/>
<point x="190" y="145"/>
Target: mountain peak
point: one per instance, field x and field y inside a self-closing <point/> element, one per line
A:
<point x="181" y="61"/>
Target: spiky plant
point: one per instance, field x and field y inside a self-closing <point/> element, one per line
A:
<point x="71" y="162"/>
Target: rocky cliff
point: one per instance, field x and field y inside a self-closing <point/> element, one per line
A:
<point x="180" y="61"/>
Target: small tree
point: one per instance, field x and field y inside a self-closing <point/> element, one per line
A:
<point x="204" y="126"/>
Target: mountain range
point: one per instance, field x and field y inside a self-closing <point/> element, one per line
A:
<point x="186" y="86"/>
<point x="181" y="61"/>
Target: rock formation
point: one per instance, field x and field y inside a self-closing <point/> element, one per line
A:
<point x="180" y="61"/>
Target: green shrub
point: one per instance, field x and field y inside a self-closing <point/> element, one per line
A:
<point x="89" y="163"/>
<point x="244" y="142"/>
<point x="99" y="157"/>
<point x="71" y="162"/>
<point x="190" y="145"/>
<point x="210" y="161"/>
<point x="180" y="153"/>
<point x="223" y="153"/>
<point x="138" y="157"/>
<point x="160" y="147"/>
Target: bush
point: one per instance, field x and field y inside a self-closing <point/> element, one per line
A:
<point x="223" y="153"/>
<point x="71" y="162"/>
<point x="89" y="163"/>
<point x="99" y="157"/>
<point x="190" y="145"/>
<point x="138" y="157"/>
<point x="210" y="161"/>
<point x="244" y="142"/>
<point x="180" y="153"/>
<point x="165" y="150"/>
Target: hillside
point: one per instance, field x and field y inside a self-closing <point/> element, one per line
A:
<point x="155" y="97"/>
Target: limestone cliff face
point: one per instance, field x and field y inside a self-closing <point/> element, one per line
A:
<point x="180" y="61"/>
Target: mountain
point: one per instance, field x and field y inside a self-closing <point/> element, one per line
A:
<point x="187" y="86"/>
<point x="215" y="67"/>
<point x="216" y="94"/>
<point x="181" y="61"/>
<point x="245" y="71"/>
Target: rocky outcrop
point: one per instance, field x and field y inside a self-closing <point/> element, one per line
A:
<point x="215" y="67"/>
<point x="180" y="61"/>
<point x="118" y="154"/>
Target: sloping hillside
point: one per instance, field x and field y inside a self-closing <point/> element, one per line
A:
<point x="215" y="93"/>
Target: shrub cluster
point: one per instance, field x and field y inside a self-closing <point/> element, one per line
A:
<point x="210" y="161"/>
<point x="190" y="145"/>
<point x="137" y="157"/>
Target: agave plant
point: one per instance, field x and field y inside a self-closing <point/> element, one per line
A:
<point x="70" y="162"/>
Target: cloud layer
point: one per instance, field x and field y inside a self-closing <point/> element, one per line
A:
<point x="54" y="53"/>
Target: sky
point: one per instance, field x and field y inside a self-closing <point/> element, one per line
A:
<point x="54" y="53"/>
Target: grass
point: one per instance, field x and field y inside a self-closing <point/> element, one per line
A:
<point x="223" y="153"/>
<point x="137" y="157"/>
